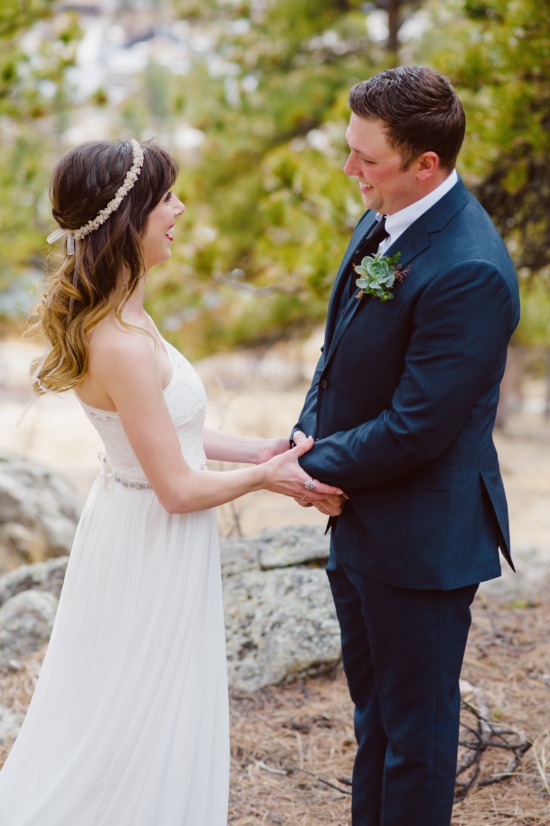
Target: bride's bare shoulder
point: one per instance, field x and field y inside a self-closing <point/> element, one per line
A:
<point x="111" y="339"/>
<point x="118" y="355"/>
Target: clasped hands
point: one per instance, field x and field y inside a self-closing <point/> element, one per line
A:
<point x="285" y="475"/>
<point x="330" y="504"/>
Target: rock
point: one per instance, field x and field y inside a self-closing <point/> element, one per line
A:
<point x="293" y="546"/>
<point x="533" y="570"/>
<point x="26" y="622"/>
<point x="280" y="618"/>
<point x="39" y="511"/>
<point x="239" y="555"/>
<point x="276" y="548"/>
<point x="467" y="690"/>
<point x="43" y="576"/>
<point x="281" y="626"/>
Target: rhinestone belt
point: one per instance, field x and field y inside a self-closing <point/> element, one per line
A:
<point x="135" y="485"/>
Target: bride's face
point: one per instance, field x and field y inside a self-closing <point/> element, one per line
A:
<point x="159" y="230"/>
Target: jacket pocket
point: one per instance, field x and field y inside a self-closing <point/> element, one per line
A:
<point x="391" y="309"/>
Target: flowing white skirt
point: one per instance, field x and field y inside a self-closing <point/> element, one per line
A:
<point x="128" y="725"/>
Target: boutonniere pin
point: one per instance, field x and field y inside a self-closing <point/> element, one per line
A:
<point x="378" y="275"/>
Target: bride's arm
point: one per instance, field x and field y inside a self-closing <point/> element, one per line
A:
<point x="126" y="367"/>
<point x="228" y="447"/>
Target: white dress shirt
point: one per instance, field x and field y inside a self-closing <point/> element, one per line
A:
<point x="397" y="223"/>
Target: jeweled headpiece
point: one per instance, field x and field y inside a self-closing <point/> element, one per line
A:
<point x="131" y="177"/>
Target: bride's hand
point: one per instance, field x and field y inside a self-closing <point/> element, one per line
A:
<point x="284" y="475"/>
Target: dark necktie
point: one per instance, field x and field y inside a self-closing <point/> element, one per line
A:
<point x="368" y="246"/>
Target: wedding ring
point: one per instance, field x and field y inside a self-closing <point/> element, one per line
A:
<point x="309" y="484"/>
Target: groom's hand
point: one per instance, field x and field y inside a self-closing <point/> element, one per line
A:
<point x="330" y="505"/>
<point x="268" y="448"/>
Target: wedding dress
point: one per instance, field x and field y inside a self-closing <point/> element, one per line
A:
<point x="128" y="725"/>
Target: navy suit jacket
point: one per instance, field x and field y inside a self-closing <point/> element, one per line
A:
<point x="403" y="403"/>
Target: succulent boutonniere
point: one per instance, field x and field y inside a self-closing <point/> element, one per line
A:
<point x="378" y="275"/>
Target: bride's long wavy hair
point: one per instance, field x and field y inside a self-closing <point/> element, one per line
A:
<point x="108" y="261"/>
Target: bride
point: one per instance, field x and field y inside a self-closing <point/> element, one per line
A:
<point x="128" y="725"/>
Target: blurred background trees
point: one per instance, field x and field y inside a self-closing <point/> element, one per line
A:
<point x="498" y="54"/>
<point x="250" y="95"/>
<point x="33" y="103"/>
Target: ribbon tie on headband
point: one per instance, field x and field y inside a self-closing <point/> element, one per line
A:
<point x="60" y="233"/>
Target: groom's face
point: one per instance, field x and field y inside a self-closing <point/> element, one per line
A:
<point x="378" y="168"/>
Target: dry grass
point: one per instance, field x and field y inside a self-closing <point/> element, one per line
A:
<point x="293" y="746"/>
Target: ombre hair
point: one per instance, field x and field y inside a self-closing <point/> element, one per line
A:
<point x="108" y="263"/>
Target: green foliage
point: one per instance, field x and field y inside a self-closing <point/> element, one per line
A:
<point x="270" y="174"/>
<point x="17" y="16"/>
<point x="32" y="69"/>
<point x="33" y="62"/>
<point x="497" y="53"/>
<point x="534" y="329"/>
<point x="268" y="271"/>
<point x="269" y="210"/>
<point x="281" y="208"/>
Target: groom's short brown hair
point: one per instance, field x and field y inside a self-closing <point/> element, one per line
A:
<point x="419" y="108"/>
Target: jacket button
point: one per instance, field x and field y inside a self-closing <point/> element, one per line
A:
<point x="324" y="384"/>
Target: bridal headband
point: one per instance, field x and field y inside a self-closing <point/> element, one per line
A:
<point x="131" y="177"/>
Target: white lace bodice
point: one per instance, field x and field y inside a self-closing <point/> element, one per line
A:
<point x="186" y="400"/>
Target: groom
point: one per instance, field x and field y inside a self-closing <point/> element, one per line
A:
<point x="402" y="407"/>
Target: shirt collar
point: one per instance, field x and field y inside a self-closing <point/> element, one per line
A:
<point x="397" y="223"/>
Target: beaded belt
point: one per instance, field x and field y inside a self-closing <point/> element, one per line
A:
<point x="136" y="485"/>
<point x="107" y="473"/>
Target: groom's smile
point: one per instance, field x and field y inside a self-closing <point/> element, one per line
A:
<point x="384" y="184"/>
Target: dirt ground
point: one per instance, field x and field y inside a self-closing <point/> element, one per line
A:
<point x="292" y="746"/>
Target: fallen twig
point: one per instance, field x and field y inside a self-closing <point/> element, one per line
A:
<point x="487" y="735"/>
<point x="320" y="779"/>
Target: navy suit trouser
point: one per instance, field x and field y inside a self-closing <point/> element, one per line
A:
<point x="402" y="652"/>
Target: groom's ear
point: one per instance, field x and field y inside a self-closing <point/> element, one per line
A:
<point x="428" y="165"/>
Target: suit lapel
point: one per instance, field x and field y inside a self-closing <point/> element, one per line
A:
<point x="366" y="223"/>
<point x="416" y="237"/>
<point x="342" y="323"/>
<point x="410" y="244"/>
